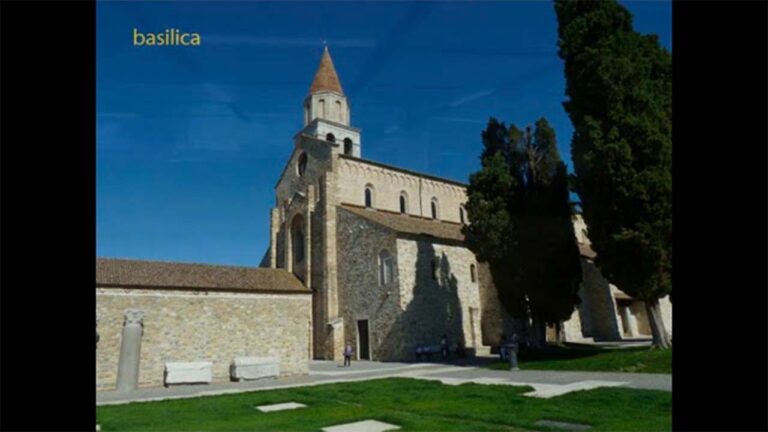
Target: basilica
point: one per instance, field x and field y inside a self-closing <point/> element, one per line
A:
<point x="361" y="253"/>
<point x="382" y="248"/>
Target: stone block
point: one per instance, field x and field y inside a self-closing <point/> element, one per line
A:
<point x="250" y="368"/>
<point x="563" y="425"/>
<point x="188" y="373"/>
<point x="362" y="426"/>
<point x="280" y="407"/>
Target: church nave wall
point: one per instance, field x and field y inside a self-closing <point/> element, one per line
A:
<point x="389" y="184"/>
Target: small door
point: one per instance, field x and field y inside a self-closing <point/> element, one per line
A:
<point x="363" y="348"/>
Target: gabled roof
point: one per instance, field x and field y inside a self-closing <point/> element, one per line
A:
<point x="325" y="77"/>
<point x="112" y="272"/>
<point x="410" y="224"/>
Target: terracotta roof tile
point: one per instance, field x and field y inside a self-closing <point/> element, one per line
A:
<point x="149" y="274"/>
<point x="325" y="77"/>
<point x="410" y="224"/>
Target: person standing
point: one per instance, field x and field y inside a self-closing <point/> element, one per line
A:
<point x="348" y="355"/>
<point x="503" y="348"/>
<point x="512" y="352"/>
<point x="444" y="346"/>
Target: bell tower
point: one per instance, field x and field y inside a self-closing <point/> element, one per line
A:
<point x="326" y="110"/>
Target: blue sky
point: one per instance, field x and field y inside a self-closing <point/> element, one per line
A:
<point x="191" y="140"/>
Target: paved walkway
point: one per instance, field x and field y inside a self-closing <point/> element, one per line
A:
<point x="545" y="383"/>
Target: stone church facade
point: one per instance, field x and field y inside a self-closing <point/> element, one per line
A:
<point x="381" y="249"/>
<point x="360" y="253"/>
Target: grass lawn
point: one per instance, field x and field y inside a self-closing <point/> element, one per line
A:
<point x="577" y="358"/>
<point x="414" y="405"/>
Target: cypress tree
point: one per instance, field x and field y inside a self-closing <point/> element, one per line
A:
<point x="619" y="90"/>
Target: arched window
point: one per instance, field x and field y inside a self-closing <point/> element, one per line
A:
<point x="461" y="214"/>
<point x="472" y="272"/>
<point x="435" y="209"/>
<point x="403" y="203"/>
<point x="301" y="166"/>
<point x="330" y="138"/>
<point x="386" y="267"/>
<point x="339" y="114"/>
<point x="322" y="108"/>
<point x="347" y="146"/>
<point x="368" y="196"/>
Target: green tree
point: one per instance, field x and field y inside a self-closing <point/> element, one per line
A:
<point x="619" y="89"/>
<point x="521" y="224"/>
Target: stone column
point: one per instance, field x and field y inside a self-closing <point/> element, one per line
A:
<point x="288" y="248"/>
<point x="630" y="321"/>
<point x="633" y="331"/>
<point x="334" y="343"/>
<point x="473" y="320"/>
<point x="130" y="348"/>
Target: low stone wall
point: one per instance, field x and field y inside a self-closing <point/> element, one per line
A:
<point x="188" y="326"/>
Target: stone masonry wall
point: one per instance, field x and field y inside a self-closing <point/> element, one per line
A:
<point x="318" y="163"/>
<point x="496" y="321"/>
<point x="319" y="315"/>
<point x="572" y="328"/>
<point x="388" y="184"/>
<point x="447" y="302"/>
<point x="360" y="295"/>
<point x="603" y="311"/>
<point x="637" y="309"/>
<point x="188" y="326"/>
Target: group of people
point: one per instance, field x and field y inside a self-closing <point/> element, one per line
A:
<point x="506" y="345"/>
<point x="425" y="352"/>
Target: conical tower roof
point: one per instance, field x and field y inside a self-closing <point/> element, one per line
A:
<point x="325" y="77"/>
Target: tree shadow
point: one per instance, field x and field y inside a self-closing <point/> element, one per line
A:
<point x="435" y="310"/>
<point x="569" y="352"/>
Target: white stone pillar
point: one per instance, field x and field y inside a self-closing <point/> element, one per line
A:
<point x="130" y="349"/>
<point x="633" y="330"/>
<point x="629" y="321"/>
